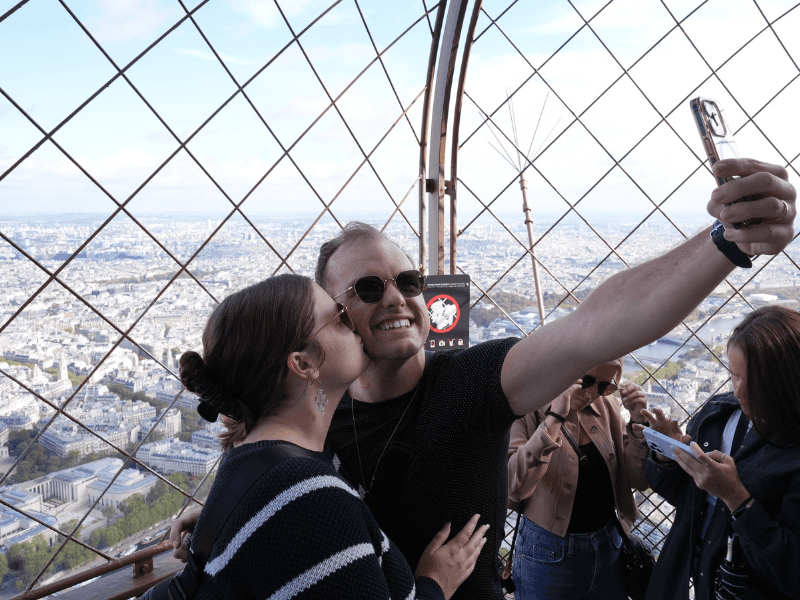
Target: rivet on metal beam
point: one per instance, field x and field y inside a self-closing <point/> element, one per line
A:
<point x="142" y="567"/>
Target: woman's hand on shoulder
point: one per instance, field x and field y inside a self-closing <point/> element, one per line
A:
<point x="449" y="564"/>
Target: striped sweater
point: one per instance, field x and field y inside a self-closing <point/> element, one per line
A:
<point x="302" y="532"/>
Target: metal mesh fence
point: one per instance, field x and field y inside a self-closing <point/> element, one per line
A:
<point x="585" y="115"/>
<point x="158" y="156"/>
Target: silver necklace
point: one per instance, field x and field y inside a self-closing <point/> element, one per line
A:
<point x="362" y="493"/>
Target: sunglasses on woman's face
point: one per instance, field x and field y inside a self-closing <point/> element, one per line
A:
<point x="343" y="315"/>
<point x="604" y="388"/>
<point x="370" y="289"/>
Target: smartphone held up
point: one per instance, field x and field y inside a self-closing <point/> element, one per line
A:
<point x="717" y="141"/>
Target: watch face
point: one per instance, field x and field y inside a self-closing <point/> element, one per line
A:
<point x="718" y="236"/>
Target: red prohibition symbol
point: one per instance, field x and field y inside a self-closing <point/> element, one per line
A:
<point x="444" y="313"/>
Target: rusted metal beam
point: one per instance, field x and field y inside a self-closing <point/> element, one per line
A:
<point x="476" y="9"/>
<point x="448" y="51"/>
<point x="150" y="566"/>
<point x="423" y="143"/>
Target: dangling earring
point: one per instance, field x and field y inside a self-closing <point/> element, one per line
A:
<point x="320" y="399"/>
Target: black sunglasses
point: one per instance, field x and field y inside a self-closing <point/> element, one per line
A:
<point x="343" y="315"/>
<point x="370" y="289"/>
<point x="604" y="388"/>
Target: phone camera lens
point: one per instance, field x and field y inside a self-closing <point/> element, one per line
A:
<point x="715" y="120"/>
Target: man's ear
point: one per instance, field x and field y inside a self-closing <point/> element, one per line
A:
<point x="301" y="365"/>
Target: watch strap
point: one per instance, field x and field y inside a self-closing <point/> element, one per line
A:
<point x="742" y="508"/>
<point x="731" y="251"/>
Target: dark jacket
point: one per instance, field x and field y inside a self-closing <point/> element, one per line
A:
<point x="769" y="530"/>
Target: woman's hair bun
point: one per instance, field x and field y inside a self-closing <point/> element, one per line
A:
<point x="191" y="370"/>
<point x="196" y="378"/>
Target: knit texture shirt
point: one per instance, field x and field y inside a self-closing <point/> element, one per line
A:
<point x="302" y="532"/>
<point x="459" y="466"/>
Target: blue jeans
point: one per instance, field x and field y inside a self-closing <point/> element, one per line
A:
<point x="585" y="566"/>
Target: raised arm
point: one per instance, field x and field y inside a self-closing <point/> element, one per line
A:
<point x="639" y="305"/>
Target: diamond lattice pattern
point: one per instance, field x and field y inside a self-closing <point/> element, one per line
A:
<point x="158" y="155"/>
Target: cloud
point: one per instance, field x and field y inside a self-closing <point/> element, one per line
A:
<point x="206" y="55"/>
<point x="125" y="20"/>
<point x="265" y="13"/>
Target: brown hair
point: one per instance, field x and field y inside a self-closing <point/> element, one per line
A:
<point x="769" y="339"/>
<point x="352" y="232"/>
<point x="248" y="337"/>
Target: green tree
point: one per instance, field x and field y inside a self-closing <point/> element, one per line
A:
<point x="18" y="440"/>
<point x="158" y="490"/>
<point x="131" y="504"/>
<point x="668" y="371"/>
<point x="190" y="421"/>
<point x="114" y="535"/>
<point x="28" y="558"/>
<point x="72" y="555"/>
<point x="3" y="566"/>
<point x="108" y="512"/>
<point x="69" y="526"/>
<point x="72" y="459"/>
<point x="180" y="479"/>
<point x="98" y="538"/>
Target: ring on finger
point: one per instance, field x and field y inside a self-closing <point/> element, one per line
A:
<point x="785" y="210"/>
<point x="721" y="458"/>
<point x="705" y="464"/>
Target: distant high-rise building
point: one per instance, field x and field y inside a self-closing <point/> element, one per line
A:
<point x="63" y="373"/>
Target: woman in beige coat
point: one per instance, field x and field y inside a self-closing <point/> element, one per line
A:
<point x="567" y="546"/>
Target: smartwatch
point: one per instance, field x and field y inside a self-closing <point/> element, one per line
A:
<point x="728" y="248"/>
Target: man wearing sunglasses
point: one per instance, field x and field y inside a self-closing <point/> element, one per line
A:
<point x="452" y="414"/>
<point x="464" y="401"/>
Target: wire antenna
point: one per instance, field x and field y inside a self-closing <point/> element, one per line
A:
<point x="524" y="160"/>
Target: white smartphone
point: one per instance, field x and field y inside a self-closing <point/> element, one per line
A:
<point x="663" y="443"/>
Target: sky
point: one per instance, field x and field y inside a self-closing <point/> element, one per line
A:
<point x="592" y="153"/>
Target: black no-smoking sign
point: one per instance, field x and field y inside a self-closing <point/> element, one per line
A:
<point x="447" y="299"/>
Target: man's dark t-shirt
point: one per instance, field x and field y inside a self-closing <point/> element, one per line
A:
<point x="459" y="466"/>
